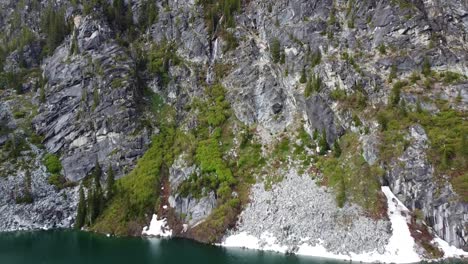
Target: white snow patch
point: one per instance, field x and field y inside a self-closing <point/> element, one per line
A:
<point x="401" y="244"/>
<point x="449" y="251"/>
<point x="157" y="228"/>
<point x="270" y="243"/>
<point x="241" y="240"/>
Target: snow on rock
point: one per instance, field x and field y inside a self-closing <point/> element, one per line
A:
<point x="449" y="251"/>
<point x="401" y="244"/>
<point x="241" y="240"/>
<point x="157" y="228"/>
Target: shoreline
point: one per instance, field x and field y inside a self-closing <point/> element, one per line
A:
<point x="317" y="251"/>
<point x="400" y="248"/>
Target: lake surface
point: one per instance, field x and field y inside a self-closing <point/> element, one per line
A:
<point x="73" y="247"/>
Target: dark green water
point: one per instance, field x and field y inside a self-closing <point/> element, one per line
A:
<point x="69" y="247"/>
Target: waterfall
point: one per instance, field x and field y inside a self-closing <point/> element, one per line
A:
<point x="213" y="55"/>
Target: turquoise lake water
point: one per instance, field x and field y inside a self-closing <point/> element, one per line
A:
<point x="72" y="247"/>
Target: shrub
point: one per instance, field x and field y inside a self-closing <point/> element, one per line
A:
<point x="414" y="77"/>
<point x="313" y="85"/>
<point x="57" y="180"/>
<point x="52" y="163"/>
<point x="452" y="77"/>
<point x="396" y="92"/>
<point x="338" y="94"/>
<point x="426" y="67"/>
<point x="303" y="78"/>
<point x="393" y="73"/>
<point x="210" y="159"/>
<point x="315" y="58"/>
<point x="382" y="49"/>
<point x="160" y="58"/>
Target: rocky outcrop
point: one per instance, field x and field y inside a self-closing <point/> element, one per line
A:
<point x="190" y="209"/>
<point x="90" y="113"/>
<point x="27" y="57"/>
<point x="46" y="207"/>
<point x="50" y="208"/>
<point x="322" y="118"/>
<point x="413" y="181"/>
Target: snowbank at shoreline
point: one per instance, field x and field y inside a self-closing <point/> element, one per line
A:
<point x="400" y="248"/>
<point x="157" y="228"/>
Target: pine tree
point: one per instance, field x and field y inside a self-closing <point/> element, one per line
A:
<point x="337" y="149"/>
<point x="323" y="144"/>
<point x="97" y="173"/>
<point x="464" y="145"/>
<point x="90" y="207"/>
<point x="426" y="67"/>
<point x="148" y="15"/>
<point x="97" y="199"/>
<point x="110" y="183"/>
<point x="74" y="45"/>
<point x="81" y="211"/>
<point x="27" y="191"/>
<point x="303" y="78"/>
<point x="275" y="49"/>
<point x="54" y="26"/>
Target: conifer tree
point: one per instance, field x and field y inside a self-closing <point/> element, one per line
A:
<point x="323" y="144"/>
<point x="303" y="78"/>
<point x="337" y="149"/>
<point x="90" y="207"/>
<point x="110" y="183"/>
<point x="81" y="211"/>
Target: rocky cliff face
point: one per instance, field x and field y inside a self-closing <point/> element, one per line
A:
<point x="392" y="74"/>
<point x="90" y="113"/>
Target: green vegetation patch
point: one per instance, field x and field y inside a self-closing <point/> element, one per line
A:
<point x="215" y="9"/>
<point x="352" y="178"/>
<point x="447" y="131"/>
<point x="137" y="193"/>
